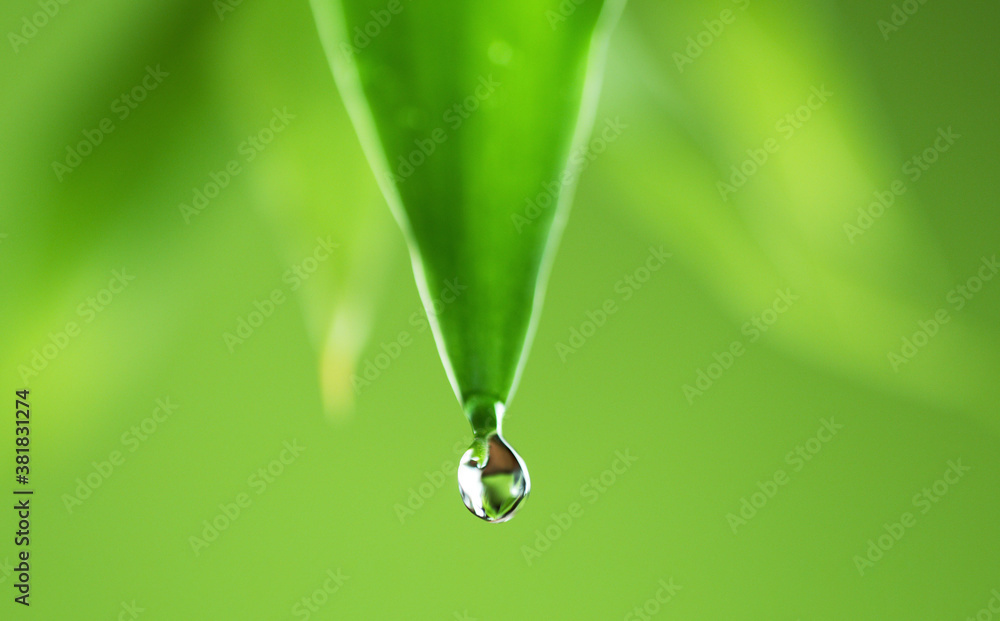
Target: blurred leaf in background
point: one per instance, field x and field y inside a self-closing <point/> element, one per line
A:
<point x="652" y="483"/>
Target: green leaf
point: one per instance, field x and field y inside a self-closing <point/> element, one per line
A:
<point x="469" y="113"/>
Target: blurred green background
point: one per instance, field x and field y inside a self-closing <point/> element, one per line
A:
<point x="891" y="338"/>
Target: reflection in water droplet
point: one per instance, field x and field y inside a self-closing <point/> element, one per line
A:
<point x="493" y="491"/>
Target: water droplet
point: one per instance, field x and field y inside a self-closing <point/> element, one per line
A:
<point x="493" y="479"/>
